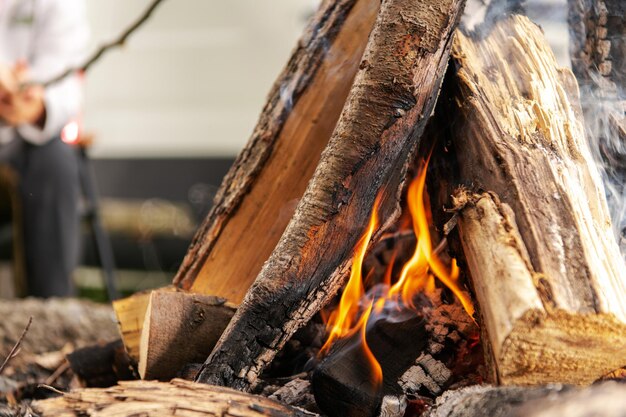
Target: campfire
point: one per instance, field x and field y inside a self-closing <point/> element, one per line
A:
<point x="417" y="224"/>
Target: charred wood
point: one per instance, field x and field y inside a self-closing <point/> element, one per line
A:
<point x="102" y="365"/>
<point x="393" y="95"/>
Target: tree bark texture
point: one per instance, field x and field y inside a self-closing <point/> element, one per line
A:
<point x="549" y="278"/>
<point x="260" y="192"/>
<point x="156" y="399"/>
<point x="598" y="54"/>
<point x="393" y="96"/>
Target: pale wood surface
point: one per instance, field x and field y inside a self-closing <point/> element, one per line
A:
<point x="528" y="342"/>
<point x="56" y="322"/>
<point x="557" y="312"/>
<point x="130" y="313"/>
<point x="155" y="399"/>
<point x="179" y="328"/>
<point x="374" y="142"/>
<point x="260" y="193"/>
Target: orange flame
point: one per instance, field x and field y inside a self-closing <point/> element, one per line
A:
<point x="341" y="320"/>
<point x="417" y="274"/>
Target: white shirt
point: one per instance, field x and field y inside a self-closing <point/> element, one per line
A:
<point x="51" y="35"/>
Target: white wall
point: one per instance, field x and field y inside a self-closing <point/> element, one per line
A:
<point x="192" y="81"/>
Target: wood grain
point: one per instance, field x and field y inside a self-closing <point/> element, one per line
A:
<point x="260" y="193"/>
<point x="547" y="271"/>
<point x="157" y="399"/>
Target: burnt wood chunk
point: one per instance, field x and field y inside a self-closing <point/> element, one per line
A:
<point x="393" y="95"/>
<point x="102" y="364"/>
<point x="545" y="265"/>
<point x="343" y="383"/>
<point x="418" y="353"/>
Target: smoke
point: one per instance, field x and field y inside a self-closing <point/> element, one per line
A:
<point x="605" y="123"/>
<point x="603" y="98"/>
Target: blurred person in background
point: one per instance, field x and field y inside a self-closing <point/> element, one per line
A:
<point x="39" y="39"/>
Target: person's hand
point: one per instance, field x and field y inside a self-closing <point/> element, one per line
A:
<point x="20" y="105"/>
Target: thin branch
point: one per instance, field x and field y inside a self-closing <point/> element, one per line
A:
<point x="105" y="47"/>
<point x="50" y="388"/>
<point x="14" y="351"/>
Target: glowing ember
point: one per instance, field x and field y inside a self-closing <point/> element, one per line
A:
<point x="417" y="275"/>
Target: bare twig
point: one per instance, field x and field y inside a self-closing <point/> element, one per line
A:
<point x="56" y="374"/>
<point x="105" y="47"/>
<point x="14" y="351"/>
<point x="50" y="388"/>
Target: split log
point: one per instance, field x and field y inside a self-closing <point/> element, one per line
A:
<point x="156" y="399"/>
<point x="130" y="313"/>
<point x="605" y="400"/>
<point x="180" y="328"/>
<point x="554" y="311"/>
<point x="260" y="192"/>
<point x="393" y="95"/>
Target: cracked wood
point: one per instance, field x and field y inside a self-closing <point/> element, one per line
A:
<point x="546" y="268"/>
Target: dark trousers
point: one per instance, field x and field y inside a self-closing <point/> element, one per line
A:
<point x="49" y="190"/>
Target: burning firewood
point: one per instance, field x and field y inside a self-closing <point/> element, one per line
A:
<point x="374" y="141"/>
<point x="548" y="275"/>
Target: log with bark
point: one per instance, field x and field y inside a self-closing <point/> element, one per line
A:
<point x="259" y="194"/>
<point x="548" y="275"/>
<point x="155" y="399"/>
<point x="130" y="313"/>
<point x="393" y="95"/>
